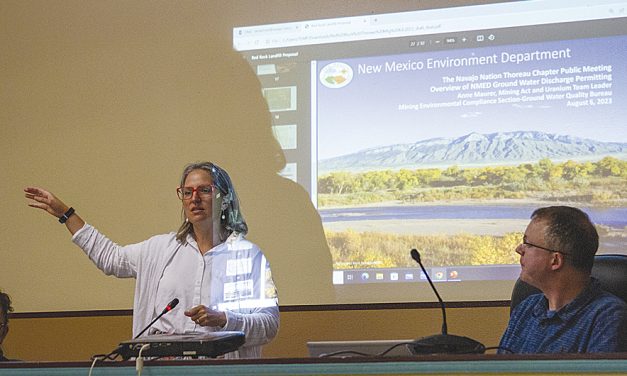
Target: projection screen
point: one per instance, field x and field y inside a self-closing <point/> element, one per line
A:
<point x="442" y="130"/>
<point x="437" y="129"/>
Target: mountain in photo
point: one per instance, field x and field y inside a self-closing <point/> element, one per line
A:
<point x="475" y="149"/>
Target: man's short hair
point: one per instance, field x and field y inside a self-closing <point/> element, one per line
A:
<point x="570" y="230"/>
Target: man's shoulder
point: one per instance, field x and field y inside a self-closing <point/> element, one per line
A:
<point x="606" y="301"/>
<point x="603" y="309"/>
<point x="597" y="296"/>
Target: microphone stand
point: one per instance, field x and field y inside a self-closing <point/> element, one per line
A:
<point x="167" y="309"/>
<point x="442" y="343"/>
<point x="118" y="351"/>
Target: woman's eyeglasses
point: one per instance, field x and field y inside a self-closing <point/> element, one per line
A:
<point x="186" y="193"/>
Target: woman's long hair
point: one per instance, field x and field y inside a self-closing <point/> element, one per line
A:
<point x="231" y="219"/>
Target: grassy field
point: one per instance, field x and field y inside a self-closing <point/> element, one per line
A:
<point x="385" y="243"/>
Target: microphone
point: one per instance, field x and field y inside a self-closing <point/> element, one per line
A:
<point x="170" y="306"/>
<point x="167" y="309"/>
<point x="119" y="350"/>
<point x="442" y="343"/>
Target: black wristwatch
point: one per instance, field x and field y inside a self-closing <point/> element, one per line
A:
<point x="66" y="215"/>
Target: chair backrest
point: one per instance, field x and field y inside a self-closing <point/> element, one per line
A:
<point x="610" y="270"/>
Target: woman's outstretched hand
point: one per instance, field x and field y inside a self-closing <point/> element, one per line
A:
<point x="44" y="200"/>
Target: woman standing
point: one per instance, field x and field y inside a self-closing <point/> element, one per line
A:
<point x="222" y="280"/>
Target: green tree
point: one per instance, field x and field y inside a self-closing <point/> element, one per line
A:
<point x="610" y="166"/>
<point x="572" y="170"/>
<point x="489" y="250"/>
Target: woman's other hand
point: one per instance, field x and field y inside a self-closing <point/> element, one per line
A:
<point x="205" y="316"/>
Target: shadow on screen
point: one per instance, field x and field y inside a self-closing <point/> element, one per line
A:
<point x="280" y="215"/>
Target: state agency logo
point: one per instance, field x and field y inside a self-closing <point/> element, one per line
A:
<point x="336" y="75"/>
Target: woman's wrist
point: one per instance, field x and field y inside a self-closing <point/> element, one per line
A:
<point x="68" y="213"/>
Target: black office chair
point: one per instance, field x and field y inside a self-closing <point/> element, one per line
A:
<point x="610" y="270"/>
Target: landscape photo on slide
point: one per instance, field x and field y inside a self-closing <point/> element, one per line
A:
<point x="453" y="150"/>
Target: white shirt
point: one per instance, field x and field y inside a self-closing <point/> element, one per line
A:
<point x="234" y="277"/>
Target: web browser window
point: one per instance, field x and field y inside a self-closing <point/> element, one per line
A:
<point x="442" y="130"/>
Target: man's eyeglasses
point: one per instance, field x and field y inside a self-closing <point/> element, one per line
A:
<point x="186" y="193"/>
<point x="529" y="245"/>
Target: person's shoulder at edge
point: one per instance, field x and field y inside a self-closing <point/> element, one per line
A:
<point x="3" y="359"/>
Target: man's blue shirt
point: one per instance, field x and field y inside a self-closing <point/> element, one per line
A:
<point x="593" y="322"/>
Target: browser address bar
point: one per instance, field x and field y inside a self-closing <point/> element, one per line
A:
<point x="387" y="26"/>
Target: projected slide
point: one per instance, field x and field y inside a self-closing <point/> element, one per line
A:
<point x="443" y="130"/>
<point x="447" y="149"/>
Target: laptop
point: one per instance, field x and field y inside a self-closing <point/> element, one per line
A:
<point x="357" y="348"/>
<point x="179" y="345"/>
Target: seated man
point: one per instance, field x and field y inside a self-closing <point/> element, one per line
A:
<point x="573" y="314"/>
<point x="5" y="308"/>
